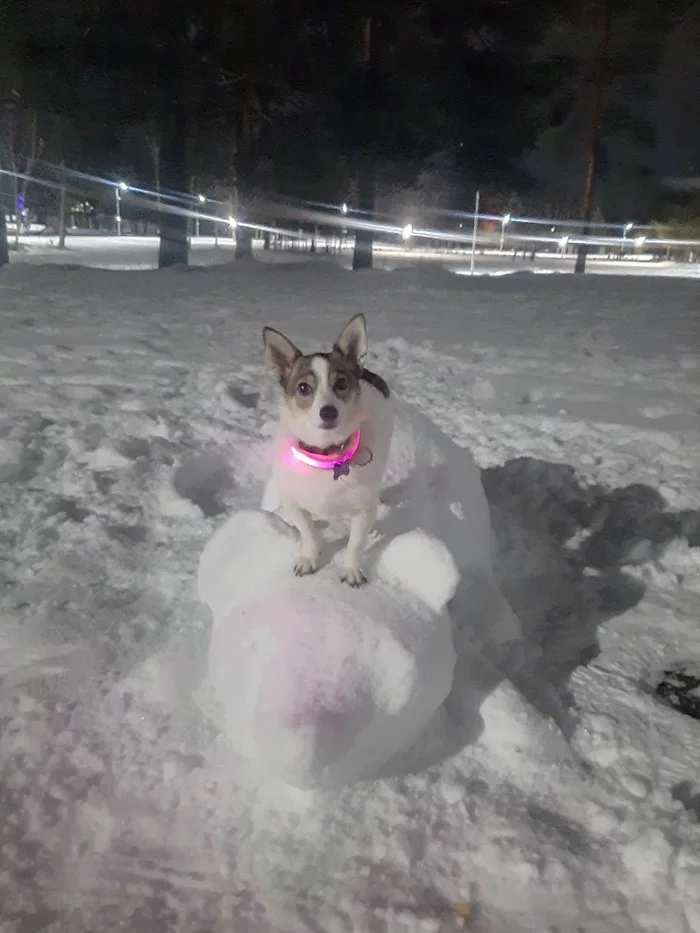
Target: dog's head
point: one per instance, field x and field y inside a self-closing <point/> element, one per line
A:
<point x="322" y="392"/>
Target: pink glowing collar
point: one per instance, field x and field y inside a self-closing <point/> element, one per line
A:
<point x="328" y="461"/>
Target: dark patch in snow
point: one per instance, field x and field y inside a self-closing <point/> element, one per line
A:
<point x="539" y="509"/>
<point x="128" y="534"/>
<point x="246" y="399"/>
<point x="679" y="688"/>
<point x="690" y="524"/>
<point x="69" y="507"/>
<point x="104" y="482"/>
<point x="204" y="479"/>
<point x="632" y="527"/>
<point x="92" y="435"/>
<point x="688" y="796"/>
<point x="22" y="468"/>
<point x="570" y="835"/>
<point x="133" y="447"/>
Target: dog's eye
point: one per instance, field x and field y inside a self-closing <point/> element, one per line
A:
<point x="304" y="389"/>
<point x="341" y="384"/>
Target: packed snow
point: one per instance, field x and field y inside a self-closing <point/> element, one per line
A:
<point x="128" y="402"/>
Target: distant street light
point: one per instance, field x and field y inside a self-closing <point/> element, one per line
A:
<point x="343" y="208"/>
<point x="625" y="232"/>
<point x="407" y="232"/>
<point x="120" y="189"/>
<point x="505" y="220"/>
<point x="640" y="241"/>
<point x="202" y="200"/>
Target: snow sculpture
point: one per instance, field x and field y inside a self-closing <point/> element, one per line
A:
<point x="323" y="684"/>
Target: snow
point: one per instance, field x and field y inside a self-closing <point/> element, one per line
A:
<point x="133" y="252"/>
<point x="322" y="685"/>
<point x="128" y="404"/>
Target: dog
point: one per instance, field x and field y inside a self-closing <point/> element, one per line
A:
<point x="333" y="439"/>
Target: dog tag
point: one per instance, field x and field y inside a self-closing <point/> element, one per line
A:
<point x="341" y="469"/>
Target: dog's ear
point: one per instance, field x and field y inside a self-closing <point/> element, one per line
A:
<point x="280" y="353"/>
<point x="352" y="342"/>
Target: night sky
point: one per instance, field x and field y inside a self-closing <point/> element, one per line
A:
<point x="293" y="96"/>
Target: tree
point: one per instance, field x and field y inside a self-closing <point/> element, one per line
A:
<point x="605" y="94"/>
<point x="22" y="147"/>
<point x="599" y="82"/>
<point x="153" y="143"/>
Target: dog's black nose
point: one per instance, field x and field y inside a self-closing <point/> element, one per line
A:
<point x="329" y="413"/>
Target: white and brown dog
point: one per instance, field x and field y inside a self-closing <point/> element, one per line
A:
<point x="335" y="428"/>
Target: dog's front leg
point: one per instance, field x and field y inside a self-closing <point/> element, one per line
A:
<point x="360" y="527"/>
<point x="309" y="549"/>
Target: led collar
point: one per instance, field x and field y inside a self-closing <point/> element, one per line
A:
<point x="327" y="461"/>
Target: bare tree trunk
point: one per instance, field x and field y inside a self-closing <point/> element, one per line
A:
<point x="244" y="243"/>
<point x="174" y="246"/>
<point x="15" y="206"/>
<point x="62" y="210"/>
<point x="362" y="256"/>
<point x="366" y="173"/>
<point x="244" y="235"/>
<point x="4" y="248"/>
<point x="9" y="105"/>
<point x="12" y="159"/>
<point x="154" y="148"/>
<point x="595" y="132"/>
<point x="21" y="186"/>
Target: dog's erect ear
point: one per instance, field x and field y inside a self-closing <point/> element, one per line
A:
<point x="280" y="353"/>
<point x="352" y="342"/>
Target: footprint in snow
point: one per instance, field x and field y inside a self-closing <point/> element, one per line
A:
<point x="204" y="479"/>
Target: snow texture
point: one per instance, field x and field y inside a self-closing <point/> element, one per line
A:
<point x="132" y="408"/>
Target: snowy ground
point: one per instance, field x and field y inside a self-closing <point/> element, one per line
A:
<point x="139" y="252"/>
<point x="576" y="807"/>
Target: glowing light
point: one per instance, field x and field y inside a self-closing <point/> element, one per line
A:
<point x="640" y="241"/>
<point x="627" y="229"/>
<point x="563" y="242"/>
<point x="201" y="199"/>
<point x="232" y="222"/>
<point x="507" y="219"/>
<point x="326" y="461"/>
<point x="123" y="186"/>
<point x="407" y="232"/>
<point x="343" y="208"/>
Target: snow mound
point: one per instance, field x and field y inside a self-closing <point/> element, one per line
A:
<point x="320" y="683"/>
<point x="323" y="685"/>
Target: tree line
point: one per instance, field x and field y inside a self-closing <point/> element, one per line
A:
<point x="326" y="102"/>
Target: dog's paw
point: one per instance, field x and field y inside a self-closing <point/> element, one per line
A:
<point x="306" y="565"/>
<point x="353" y="576"/>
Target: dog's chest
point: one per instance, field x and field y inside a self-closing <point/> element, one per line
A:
<point x="347" y="489"/>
